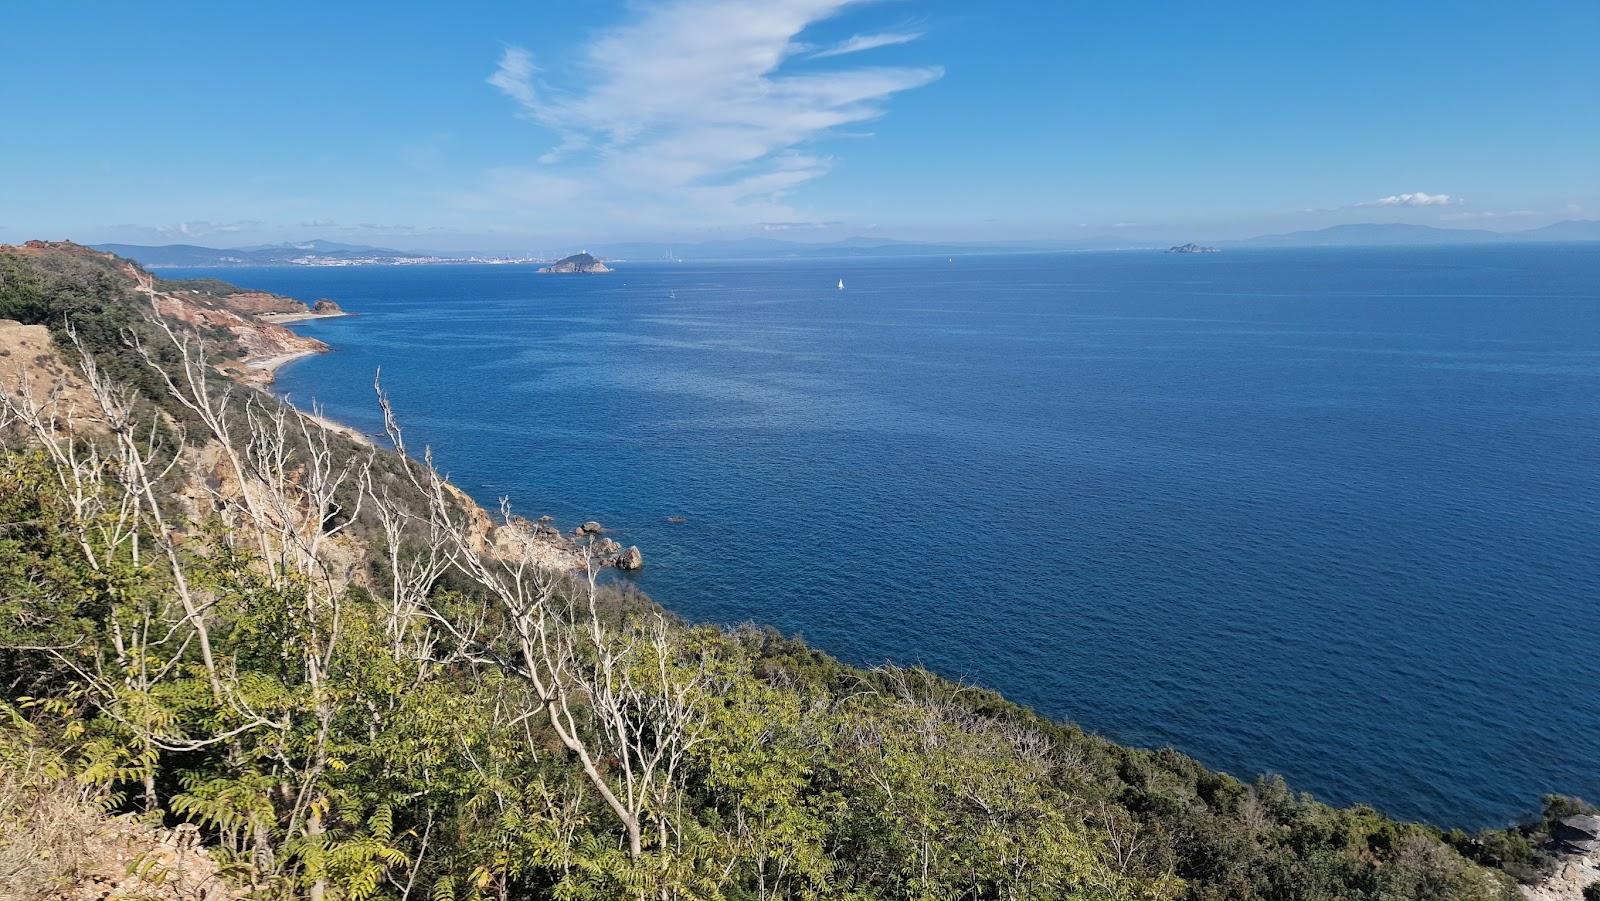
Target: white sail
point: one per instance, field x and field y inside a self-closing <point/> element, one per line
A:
<point x="841" y="284"/>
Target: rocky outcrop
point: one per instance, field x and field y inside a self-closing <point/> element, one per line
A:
<point x="536" y="542"/>
<point x="57" y="845"/>
<point x="591" y="528"/>
<point x="126" y="860"/>
<point x="1571" y="876"/>
<point x="630" y="559"/>
<point x="326" y="307"/>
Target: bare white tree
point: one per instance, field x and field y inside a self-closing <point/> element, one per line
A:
<point x="617" y="692"/>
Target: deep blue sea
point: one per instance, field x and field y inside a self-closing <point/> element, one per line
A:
<point x="1332" y="514"/>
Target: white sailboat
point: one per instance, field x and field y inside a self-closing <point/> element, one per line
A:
<point x="841" y="284"/>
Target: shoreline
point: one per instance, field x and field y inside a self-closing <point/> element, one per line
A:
<point x="334" y="425"/>
<point x="553" y="548"/>
<point x="262" y="372"/>
<point x="267" y="367"/>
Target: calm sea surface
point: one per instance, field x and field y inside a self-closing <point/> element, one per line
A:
<point x="1333" y="514"/>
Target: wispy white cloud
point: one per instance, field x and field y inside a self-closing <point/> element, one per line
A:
<point x="514" y="76"/>
<point x="1417" y="199"/>
<point x="686" y="111"/>
<point x="797" y="226"/>
<point x="200" y="228"/>
<point x="862" y="42"/>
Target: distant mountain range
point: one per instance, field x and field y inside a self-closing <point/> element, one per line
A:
<point x="330" y="253"/>
<point x="1399" y="235"/>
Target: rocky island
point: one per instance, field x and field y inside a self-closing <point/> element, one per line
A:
<point x="578" y="262"/>
<point x="1191" y="248"/>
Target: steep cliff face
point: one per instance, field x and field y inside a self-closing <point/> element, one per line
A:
<point x="258" y="344"/>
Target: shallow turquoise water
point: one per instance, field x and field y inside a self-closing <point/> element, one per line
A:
<point x="1332" y="514"/>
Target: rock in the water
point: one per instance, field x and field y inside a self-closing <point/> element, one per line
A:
<point x="630" y="559"/>
<point x="591" y="528"/>
<point x="677" y="520"/>
<point x="605" y="547"/>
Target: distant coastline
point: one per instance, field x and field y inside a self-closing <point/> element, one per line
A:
<point x="329" y="253"/>
<point x="307" y="253"/>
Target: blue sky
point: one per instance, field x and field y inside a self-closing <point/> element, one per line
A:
<point x="508" y="126"/>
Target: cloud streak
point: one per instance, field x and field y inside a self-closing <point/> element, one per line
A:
<point x="687" y="109"/>
<point x="1416" y="199"/>
<point x="200" y="228"/>
<point x="863" y="42"/>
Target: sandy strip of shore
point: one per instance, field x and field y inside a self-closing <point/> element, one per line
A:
<point x="334" y="425"/>
<point x="268" y="366"/>
<point x="265" y="368"/>
<point x="282" y="317"/>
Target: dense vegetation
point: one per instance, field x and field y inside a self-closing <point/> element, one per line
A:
<point x="319" y="655"/>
